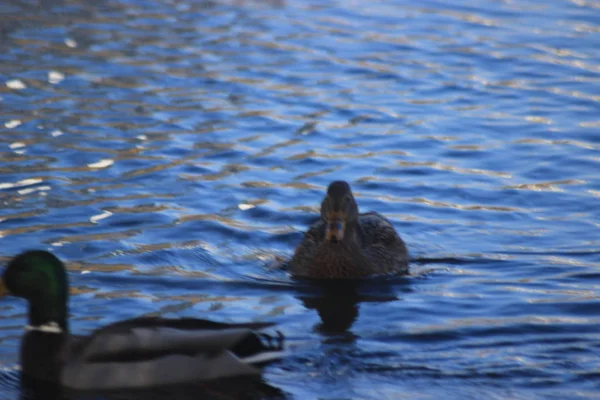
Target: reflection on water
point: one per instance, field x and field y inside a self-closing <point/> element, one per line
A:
<point x="172" y="151"/>
<point x="338" y="302"/>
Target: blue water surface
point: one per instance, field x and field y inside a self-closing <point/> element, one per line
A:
<point x="171" y="151"/>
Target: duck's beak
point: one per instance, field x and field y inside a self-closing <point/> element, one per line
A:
<point x="3" y="290"/>
<point x="334" y="228"/>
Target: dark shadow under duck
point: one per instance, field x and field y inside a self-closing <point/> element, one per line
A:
<point x="247" y="388"/>
<point x="344" y="244"/>
<point x="135" y="353"/>
<point x="338" y="302"/>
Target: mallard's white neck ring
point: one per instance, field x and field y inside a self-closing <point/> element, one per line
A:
<point x="49" y="327"/>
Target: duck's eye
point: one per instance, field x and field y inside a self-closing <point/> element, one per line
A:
<point x="330" y="203"/>
<point x="345" y="201"/>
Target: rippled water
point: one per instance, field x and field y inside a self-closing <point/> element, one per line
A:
<point x="170" y="150"/>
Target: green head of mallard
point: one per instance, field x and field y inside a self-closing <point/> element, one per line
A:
<point x="40" y="278"/>
<point x="339" y="211"/>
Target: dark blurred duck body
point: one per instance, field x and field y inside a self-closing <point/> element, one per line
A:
<point x="137" y="353"/>
<point x="344" y="244"/>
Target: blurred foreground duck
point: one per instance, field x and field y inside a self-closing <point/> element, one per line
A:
<point x="135" y="353"/>
<point x="344" y="244"/>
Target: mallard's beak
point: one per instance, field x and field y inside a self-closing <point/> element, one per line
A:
<point x="334" y="229"/>
<point x="3" y="290"/>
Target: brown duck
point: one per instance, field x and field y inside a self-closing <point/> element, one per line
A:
<point x="346" y="244"/>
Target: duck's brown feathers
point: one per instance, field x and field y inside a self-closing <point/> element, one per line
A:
<point x="381" y="251"/>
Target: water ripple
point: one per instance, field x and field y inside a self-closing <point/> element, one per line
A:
<point x="174" y="152"/>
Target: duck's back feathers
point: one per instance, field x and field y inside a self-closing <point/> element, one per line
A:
<point x="146" y="352"/>
<point x="146" y="338"/>
<point x="382" y="245"/>
<point x="177" y="323"/>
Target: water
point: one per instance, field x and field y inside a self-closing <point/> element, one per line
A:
<point x="170" y="150"/>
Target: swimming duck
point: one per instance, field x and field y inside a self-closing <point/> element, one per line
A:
<point x="136" y="353"/>
<point x="344" y="244"/>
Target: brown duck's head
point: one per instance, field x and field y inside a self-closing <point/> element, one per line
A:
<point x="338" y="211"/>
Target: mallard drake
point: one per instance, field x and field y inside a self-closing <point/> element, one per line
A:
<point x="346" y="244"/>
<point x="136" y="353"/>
